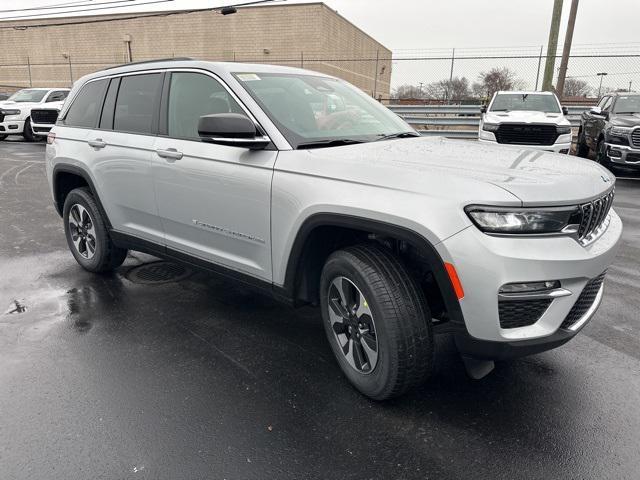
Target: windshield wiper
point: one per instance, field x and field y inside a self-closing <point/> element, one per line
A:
<point x="336" y="142"/>
<point x="398" y="135"/>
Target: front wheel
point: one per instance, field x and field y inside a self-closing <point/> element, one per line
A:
<point x="26" y="132"/>
<point x="2" y="137"/>
<point x="376" y="320"/>
<point x="601" y="154"/>
<point x="582" y="149"/>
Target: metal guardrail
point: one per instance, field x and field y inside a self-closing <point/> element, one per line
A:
<point x="457" y="116"/>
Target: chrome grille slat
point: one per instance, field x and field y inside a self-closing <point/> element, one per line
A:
<point x="635" y="137"/>
<point x="594" y="216"/>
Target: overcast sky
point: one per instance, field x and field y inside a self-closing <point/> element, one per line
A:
<point x="474" y="27"/>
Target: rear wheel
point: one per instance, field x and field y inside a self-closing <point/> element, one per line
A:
<point x="27" y="133"/>
<point x="87" y="234"/>
<point x="376" y="320"/>
<point x="582" y="149"/>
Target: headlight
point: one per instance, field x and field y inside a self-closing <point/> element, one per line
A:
<point x="620" y="131"/>
<point x="525" y="220"/>
<point x="10" y="112"/>
<point x="563" y="130"/>
<point x="490" y="127"/>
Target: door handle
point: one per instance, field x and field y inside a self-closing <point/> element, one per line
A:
<point x="97" y="143"/>
<point x="170" y="154"/>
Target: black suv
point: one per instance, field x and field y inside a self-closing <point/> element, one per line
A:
<point x="612" y="130"/>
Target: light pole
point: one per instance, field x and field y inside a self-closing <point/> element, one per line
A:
<point x="601" y="75"/>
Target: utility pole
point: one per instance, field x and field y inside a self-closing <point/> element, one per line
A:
<point x="538" y="72"/>
<point x="630" y="86"/>
<point x="566" y="51"/>
<point x="601" y="75"/>
<point x="552" y="46"/>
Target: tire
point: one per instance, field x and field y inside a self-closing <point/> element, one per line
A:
<point x="93" y="248"/>
<point x="387" y="311"/>
<point x="582" y="149"/>
<point x="2" y="137"/>
<point x="26" y="132"/>
<point x="601" y="153"/>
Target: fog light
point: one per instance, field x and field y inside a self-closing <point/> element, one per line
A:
<point x="564" y="150"/>
<point x="615" y="153"/>
<point x="526" y="287"/>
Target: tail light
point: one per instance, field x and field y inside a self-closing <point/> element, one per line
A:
<point x="50" y="138"/>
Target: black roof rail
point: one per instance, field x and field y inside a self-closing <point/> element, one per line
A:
<point x="172" y="59"/>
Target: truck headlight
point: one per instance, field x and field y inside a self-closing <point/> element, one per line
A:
<point x="490" y="127"/>
<point x="10" y="112"/>
<point x="563" y="130"/>
<point x="531" y="221"/>
<point x="620" y="131"/>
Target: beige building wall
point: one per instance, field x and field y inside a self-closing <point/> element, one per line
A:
<point x="309" y="35"/>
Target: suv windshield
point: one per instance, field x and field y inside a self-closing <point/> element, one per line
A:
<point x="627" y="104"/>
<point x="506" y="102"/>
<point x="28" y="95"/>
<point x="319" y="111"/>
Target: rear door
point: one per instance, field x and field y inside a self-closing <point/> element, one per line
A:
<point x="214" y="200"/>
<point x="121" y="147"/>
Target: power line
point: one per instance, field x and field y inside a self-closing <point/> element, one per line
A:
<point x="83" y="3"/>
<point x="40" y="15"/>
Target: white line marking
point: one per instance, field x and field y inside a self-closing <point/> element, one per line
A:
<point x="23" y="170"/>
<point x="8" y="171"/>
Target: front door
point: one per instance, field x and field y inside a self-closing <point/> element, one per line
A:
<point x="214" y="200"/>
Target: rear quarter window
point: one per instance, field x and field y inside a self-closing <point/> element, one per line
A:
<point x="86" y="106"/>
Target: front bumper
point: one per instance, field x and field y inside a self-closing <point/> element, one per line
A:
<point x="623" y="155"/>
<point x="11" y="127"/>
<point x="562" y="145"/>
<point x="41" y="128"/>
<point x="485" y="263"/>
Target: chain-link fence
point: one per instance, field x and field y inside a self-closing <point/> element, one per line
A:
<point x="457" y="77"/>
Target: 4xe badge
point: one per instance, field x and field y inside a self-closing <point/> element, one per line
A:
<point x="605" y="179"/>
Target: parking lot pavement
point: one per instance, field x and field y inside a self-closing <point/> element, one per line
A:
<point x="103" y="377"/>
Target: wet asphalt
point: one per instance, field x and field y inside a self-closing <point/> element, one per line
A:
<point x="105" y="378"/>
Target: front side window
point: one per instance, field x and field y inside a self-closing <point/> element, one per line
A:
<point x="86" y="105"/>
<point x="309" y="108"/>
<point x="607" y="104"/>
<point x="28" y="95"/>
<point x="627" y="104"/>
<point x="533" y="102"/>
<point x="57" y="96"/>
<point x="192" y="95"/>
<point x="137" y="102"/>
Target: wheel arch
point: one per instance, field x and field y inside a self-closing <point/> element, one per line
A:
<point x="67" y="177"/>
<point x="323" y="233"/>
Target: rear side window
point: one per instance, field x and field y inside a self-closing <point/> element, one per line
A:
<point x="86" y="106"/>
<point x="137" y="102"/>
<point x="57" y="96"/>
<point x="192" y="95"/>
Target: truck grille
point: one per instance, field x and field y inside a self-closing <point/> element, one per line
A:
<point x="45" y="116"/>
<point x="585" y="301"/>
<point x="593" y="215"/>
<point x="526" y="134"/>
<point x="521" y="313"/>
<point x="635" y="137"/>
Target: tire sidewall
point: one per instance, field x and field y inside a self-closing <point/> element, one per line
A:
<point x="373" y="383"/>
<point x="26" y="131"/>
<point x="84" y="198"/>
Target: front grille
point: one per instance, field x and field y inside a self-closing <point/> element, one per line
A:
<point x="526" y="134"/>
<point x="46" y="116"/>
<point x="41" y="129"/>
<point x="593" y="216"/>
<point x="521" y="313"/>
<point x="584" y="302"/>
<point x="635" y="137"/>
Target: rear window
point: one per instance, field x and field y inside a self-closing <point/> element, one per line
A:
<point x="136" y="106"/>
<point x="509" y="102"/>
<point x="86" y="106"/>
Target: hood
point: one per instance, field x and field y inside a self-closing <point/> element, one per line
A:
<point x="18" y="105"/>
<point x="526" y="116"/>
<point x="50" y="106"/>
<point x="465" y="170"/>
<point x="630" y="120"/>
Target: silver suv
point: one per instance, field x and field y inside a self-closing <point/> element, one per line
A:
<point x="300" y="184"/>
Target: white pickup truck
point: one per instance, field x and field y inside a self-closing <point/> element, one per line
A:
<point x="15" y="112"/>
<point x="534" y="120"/>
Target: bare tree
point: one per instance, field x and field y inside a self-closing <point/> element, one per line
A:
<point x="408" y="91"/>
<point x="574" y="87"/>
<point x="455" y="89"/>
<point x="496" y="79"/>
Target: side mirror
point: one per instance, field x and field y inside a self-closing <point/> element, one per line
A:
<point x="232" y="129"/>
<point x="595" y="111"/>
<point x="565" y="111"/>
<point x="483" y="109"/>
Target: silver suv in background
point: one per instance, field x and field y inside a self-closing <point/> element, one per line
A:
<point x="534" y="120"/>
<point x="299" y="184"/>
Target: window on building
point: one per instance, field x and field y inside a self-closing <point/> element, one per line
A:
<point x="137" y="102"/>
<point x="86" y="106"/>
<point x="192" y="95"/>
